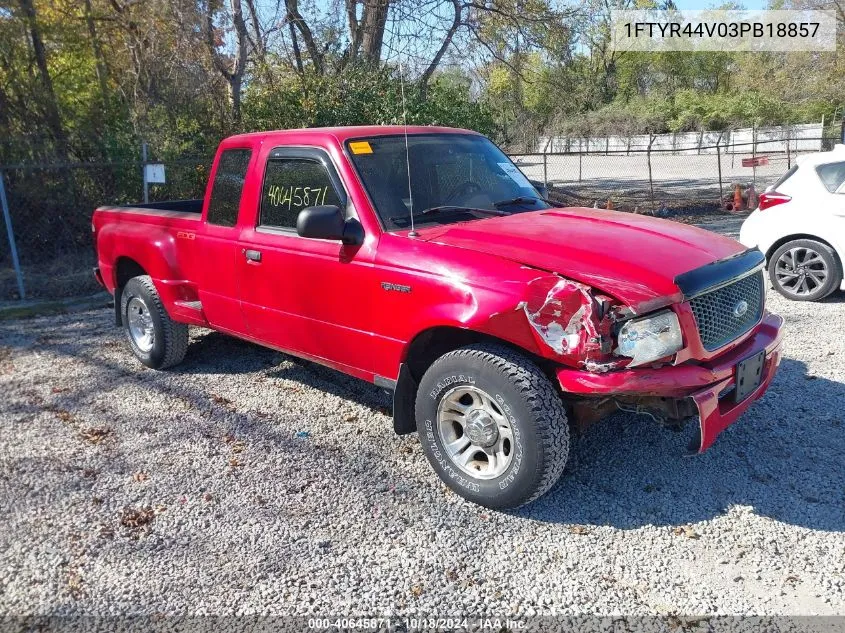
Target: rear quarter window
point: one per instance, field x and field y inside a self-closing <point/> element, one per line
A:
<point x="228" y="186"/>
<point x="832" y="176"/>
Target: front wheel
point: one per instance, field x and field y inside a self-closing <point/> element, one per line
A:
<point x="156" y="340"/>
<point x="492" y="426"/>
<point x="805" y="270"/>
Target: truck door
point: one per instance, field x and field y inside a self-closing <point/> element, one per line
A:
<point x="299" y="294"/>
<point x="216" y="268"/>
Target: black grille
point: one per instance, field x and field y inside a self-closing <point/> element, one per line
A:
<point x="716" y="311"/>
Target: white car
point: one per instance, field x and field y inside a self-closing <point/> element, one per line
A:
<point x="800" y="227"/>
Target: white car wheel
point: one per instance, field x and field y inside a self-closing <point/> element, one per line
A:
<point x="805" y="270"/>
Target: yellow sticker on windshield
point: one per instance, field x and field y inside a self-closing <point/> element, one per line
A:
<point x="361" y="147"/>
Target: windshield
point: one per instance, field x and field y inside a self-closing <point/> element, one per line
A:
<point x="454" y="178"/>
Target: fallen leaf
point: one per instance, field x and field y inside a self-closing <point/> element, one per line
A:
<point x="140" y="476"/>
<point x="74" y="583"/>
<point x="136" y="517"/>
<point x="416" y="590"/>
<point x="686" y="530"/>
<point x="578" y="529"/>
<point x="95" y="435"/>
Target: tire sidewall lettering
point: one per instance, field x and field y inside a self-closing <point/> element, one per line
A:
<point x="448" y="381"/>
<point x="516" y="462"/>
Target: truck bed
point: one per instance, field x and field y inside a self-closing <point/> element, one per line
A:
<point x="184" y="209"/>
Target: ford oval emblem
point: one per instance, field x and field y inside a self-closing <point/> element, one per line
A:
<point x="740" y="309"/>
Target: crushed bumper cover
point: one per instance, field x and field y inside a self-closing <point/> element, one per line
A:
<point x="710" y="385"/>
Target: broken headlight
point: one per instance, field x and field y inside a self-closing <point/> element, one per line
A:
<point x="650" y="338"/>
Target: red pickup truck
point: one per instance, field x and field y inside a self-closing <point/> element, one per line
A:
<point x="422" y="260"/>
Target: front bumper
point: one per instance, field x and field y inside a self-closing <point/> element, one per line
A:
<point x="704" y="383"/>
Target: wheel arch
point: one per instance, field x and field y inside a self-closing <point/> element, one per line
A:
<point x="425" y="348"/>
<point x="802" y="236"/>
<point x="125" y="268"/>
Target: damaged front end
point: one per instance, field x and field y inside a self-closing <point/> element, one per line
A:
<point x="573" y="322"/>
<point x="593" y="335"/>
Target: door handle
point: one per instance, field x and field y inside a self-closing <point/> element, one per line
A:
<point x="252" y="255"/>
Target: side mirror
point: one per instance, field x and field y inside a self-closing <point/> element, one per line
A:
<point x="326" y="222"/>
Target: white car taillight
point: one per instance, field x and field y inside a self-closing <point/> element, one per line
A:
<point x="771" y="199"/>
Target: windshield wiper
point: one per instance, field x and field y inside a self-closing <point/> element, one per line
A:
<point x="528" y="200"/>
<point x="446" y="209"/>
<point x="517" y="200"/>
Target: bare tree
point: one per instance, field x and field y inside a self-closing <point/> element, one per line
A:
<point x="50" y="103"/>
<point x="372" y="25"/>
<point x="295" y="18"/>
<point x="97" y="49"/>
<point x="447" y="41"/>
<point x="232" y="68"/>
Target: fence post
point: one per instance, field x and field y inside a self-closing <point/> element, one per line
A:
<point x="733" y="150"/>
<point x="719" y="167"/>
<point x="788" y="153"/>
<point x="754" y="140"/>
<point x="579" y="160"/>
<point x="754" y="154"/>
<point x="546" y="162"/>
<point x="14" y="249"/>
<point x="545" y="169"/>
<point x="144" y="172"/>
<point x="651" y="138"/>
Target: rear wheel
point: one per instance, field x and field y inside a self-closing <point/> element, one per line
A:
<point x="156" y="340"/>
<point x="805" y="270"/>
<point x="492" y="425"/>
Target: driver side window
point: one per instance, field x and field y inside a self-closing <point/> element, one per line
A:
<point x="291" y="185"/>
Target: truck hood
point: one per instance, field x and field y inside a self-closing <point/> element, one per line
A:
<point x="633" y="258"/>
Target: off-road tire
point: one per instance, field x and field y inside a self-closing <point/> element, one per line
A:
<point x="530" y="403"/>
<point x="170" y="341"/>
<point x="831" y="262"/>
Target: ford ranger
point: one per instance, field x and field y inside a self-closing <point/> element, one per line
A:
<point x="422" y="260"/>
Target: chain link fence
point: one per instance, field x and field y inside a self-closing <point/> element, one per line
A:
<point x="50" y="204"/>
<point x="664" y="181"/>
<point x="48" y="228"/>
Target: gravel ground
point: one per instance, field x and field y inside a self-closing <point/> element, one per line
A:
<point x="247" y="482"/>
